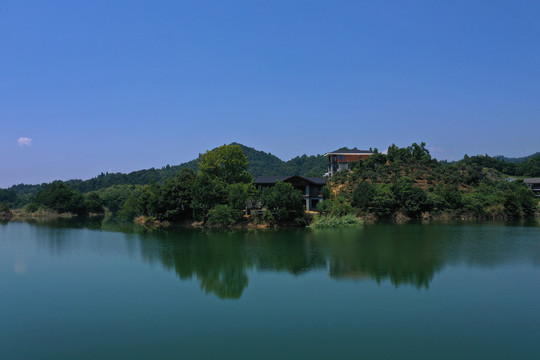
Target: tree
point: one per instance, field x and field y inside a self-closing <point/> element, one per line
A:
<point x="284" y="199"/>
<point x="175" y="196"/>
<point x="335" y="207"/>
<point x="222" y="215"/>
<point x="8" y="196"/>
<point x="61" y="198"/>
<point x="384" y="203"/>
<point x="5" y="211"/>
<point x="527" y="201"/>
<point x="511" y="204"/>
<point x="115" y="196"/>
<point x="206" y="193"/>
<point x="227" y="163"/>
<point x="413" y="200"/>
<point x="94" y="203"/>
<point x="363" y="195"/>
<point x="141" y="202"/>
<point x="239" y="195"/>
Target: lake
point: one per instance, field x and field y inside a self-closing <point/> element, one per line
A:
<point x="102" y="291"/>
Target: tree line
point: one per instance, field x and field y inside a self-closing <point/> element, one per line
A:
<point x="260" y="163"/>
<point x="406" y="181"/>
<point x="217" y="194"/>
<point x="409" y="181"/>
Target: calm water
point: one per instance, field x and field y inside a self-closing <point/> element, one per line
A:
<point x="380" y="291"/>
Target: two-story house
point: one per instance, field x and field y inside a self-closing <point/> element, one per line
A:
<point x="342" y="158"/>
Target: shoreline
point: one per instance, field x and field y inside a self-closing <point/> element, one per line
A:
<point x="17" y="215"/>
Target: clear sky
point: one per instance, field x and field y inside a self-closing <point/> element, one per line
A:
<point x="92" y="86"/>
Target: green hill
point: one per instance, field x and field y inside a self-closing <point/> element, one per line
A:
<point x="517" y="160"/>
<point x="260" y="163"/>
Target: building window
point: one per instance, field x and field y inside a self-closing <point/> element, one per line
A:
<point x="341" y="157"/>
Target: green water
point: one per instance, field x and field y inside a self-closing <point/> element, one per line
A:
<point x="92" y="291"/>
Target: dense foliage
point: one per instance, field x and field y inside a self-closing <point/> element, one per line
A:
<point x="410" y="182"/>
<point x="217" y="188"/>
<point x="529" y="167"/>
<point x="217" y="195"/>
<point x="8" y="197"/>
<point x="61" y="198"/>
<point x="259" y="163"/>
<point x="284" y="201"/>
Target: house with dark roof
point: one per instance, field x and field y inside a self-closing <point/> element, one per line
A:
<point x="341" y="159"/>
<point x="534" y="185"/>
<point x="311" y="187"/>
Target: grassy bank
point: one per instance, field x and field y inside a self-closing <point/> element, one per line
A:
<point x="330" y="221"/>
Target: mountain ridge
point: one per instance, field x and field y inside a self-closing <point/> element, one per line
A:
<point x="260" y="163"/>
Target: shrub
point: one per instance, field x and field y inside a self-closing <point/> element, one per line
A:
<point x="268" y="216"/>
<point x="4" y="209"/>
<point x="335" y="221"/>
<point x="32" y="207"/>
<point x="335" y="207"/>
<point x="222" y="215"/>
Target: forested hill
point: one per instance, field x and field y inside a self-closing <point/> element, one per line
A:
<point x="260" y="163"/>
<point x="517" y="160"/>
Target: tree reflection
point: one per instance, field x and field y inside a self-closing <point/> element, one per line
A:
<point x="221" y="261"/>
<point x="383" y="253"/>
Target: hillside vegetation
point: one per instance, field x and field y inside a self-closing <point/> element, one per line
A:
<point x="218" y="186"/>
<point x="409" y="182"/>
<point x="260" y="164"/>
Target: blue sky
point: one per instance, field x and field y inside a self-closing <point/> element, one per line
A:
<point x="126" y="85"/>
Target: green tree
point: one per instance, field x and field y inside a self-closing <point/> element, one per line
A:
<point x="8" y="196"/>
<point x="413" y="201"/>
<point x="206" y="193"/>
<point x="336" y="207"/>
<point x="59" y="197"/>
<point x="284" y="200"/>
<point x="384" y="202"/>
<point x="5" y="211"/>
<point x="239" y="194"/>
<point x="227" y="163"/>
<point x="115" y="196"/>
<point x="527" y="201"/>
<point x="511" y="204"/>
<point x="175" y="197"/>
<point x="223" y="215"/>
<point x="453" y="198"/>
<point x="94" y="203"/>
<point x="141" y="202"/>
<point x="363" y="195"/>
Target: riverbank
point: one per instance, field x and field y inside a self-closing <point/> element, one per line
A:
<point x="22" y="215"/>
<point x="311" y="220"/>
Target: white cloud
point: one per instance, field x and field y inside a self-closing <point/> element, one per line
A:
<point x="24" y="141"/>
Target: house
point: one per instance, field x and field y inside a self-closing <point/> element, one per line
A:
<point x="340" y="159"/>
<point x="311" y="187"/>
<point x="534" y="185"/>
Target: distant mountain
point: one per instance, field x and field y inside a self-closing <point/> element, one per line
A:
<point x="517" y="160"/>
<point x="260" y="163"/>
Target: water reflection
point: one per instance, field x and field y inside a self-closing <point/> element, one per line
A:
<point x="221" y="261"/>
